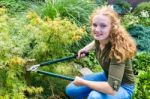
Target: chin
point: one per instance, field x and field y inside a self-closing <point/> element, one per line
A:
<point x="99" y="38"/>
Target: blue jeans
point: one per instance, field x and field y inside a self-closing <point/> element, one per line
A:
<point x="81" y="92"/>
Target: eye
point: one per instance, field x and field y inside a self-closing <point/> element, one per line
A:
<point x="103" y="25"/>
<point x="94" y="24"/>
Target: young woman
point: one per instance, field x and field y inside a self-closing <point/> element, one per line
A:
<point x="114" y="49"/>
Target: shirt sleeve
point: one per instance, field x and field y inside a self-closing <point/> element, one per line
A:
<point x="115" y="74"/>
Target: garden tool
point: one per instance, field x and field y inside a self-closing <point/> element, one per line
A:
<point x="34" y="68"/>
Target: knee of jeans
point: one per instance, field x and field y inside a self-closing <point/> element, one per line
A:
<point x="70" y="90"/>
<point x="95" y="95"/>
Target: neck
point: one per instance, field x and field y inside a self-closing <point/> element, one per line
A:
<point x="104" y="42"/>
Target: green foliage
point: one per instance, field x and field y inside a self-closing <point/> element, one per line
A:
<point x="141" y="35"/>
<point x="54" y="87"/>
<point x="142" y="89"/>
<point x="74" y="48"/>
<point x="11" y="61"/>
<point x="101" y="2"/>
<point x="52" y="31"/>
<point x="75" y="10"/>
<point x="143" y="12"/>
<point x="141" y="62"/>
<point x="31" y="37"/>
<point x="22" y="38"/>
<point x="141" y="65"/>
<point x="122" y="6"/>
<point x="142" y="7"/>
<point x="129" y="20"/>
<point x="144" y="21"/>
<point x="90" y="61"/>
<point x="14" y="5"/>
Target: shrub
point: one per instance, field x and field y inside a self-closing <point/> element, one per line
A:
<point x="13" y="84"/>
<point x="142" y="88"/>
<point x="141" y="65"/>
<point x="141" y="62"/>
<point x="31" y="37"/>
<point x="101" y="2"/>
<point x="142" y="7"/>
<point x="122" y="6"/>
<point x="143" y="12"/>
<point x="141" y="35"/>
<point x="129" y="20"/>
<point x="52" y="31"/>
<point x="14" y="5"/>
<point x="75" y="10"/>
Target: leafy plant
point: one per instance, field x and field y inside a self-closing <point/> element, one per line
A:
<point x="52" y="31"/>
<point x="144" y="6"/>
<point x="141" y="35"/>
<point x="141" y="62"/>
<point x="32" y="37"/>
<point x="121" y="6"/>
<point x="101" y="2"/>
<point x="141" y="65"/>
<point x="143" y="12"/>
<point x="142" y="88"/>
<point x="14" y="5"/>
<point x="129" y="20"/>
<point x="12" y="63"/>
<point x="75" y="10"/>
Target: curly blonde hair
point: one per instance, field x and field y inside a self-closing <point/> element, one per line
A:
<point x="123" y="45"/>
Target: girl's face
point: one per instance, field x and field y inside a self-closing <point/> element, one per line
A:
<point x="101" y="26"/>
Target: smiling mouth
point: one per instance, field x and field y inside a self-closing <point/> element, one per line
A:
<point x="98" y="34"/>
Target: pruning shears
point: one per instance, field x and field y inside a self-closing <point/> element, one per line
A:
<point x="34" y="68"/>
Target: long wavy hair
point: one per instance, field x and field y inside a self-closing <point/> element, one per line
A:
<point x="123" y="45"/>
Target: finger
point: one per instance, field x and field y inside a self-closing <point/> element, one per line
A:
<point x="82" y="55"/>
<point x="78" y="55"/>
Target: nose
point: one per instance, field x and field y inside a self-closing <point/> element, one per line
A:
<point x="97" y="29"/>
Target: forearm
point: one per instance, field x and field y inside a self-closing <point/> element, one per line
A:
<point x="90" y="46"/>
<point x="100" y="86"/>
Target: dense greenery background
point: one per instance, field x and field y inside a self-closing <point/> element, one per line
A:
<point x="33" y="31"/>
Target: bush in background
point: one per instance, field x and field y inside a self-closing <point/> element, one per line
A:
<point x="14" y="6"/>
<point x="129" y="20"/>
<point x="141" y="66"/>
<point x="75" y="10"/>
<point x="141" y="35"/>
<point x="101" y="2"/>
<point x="144" y="6"/>
<point x="143" y="12"/>
<point x="122" y="7"/>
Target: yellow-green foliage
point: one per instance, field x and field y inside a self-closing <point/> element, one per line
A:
<point x="129" y="19"/>
<point x="31" y="37"/>
<point x="33" y="90"/>
<point x="51" y="37"/>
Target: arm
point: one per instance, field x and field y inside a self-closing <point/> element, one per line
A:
<point x="87" y="48"/>
<point x="116" y="71"/>
<point x="98" y="86"/>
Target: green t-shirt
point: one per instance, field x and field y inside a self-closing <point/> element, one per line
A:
<point x="117" y="73"/>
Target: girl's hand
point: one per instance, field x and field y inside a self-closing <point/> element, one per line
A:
<point x="82" y="53"/>
<point x="78" y="81"/>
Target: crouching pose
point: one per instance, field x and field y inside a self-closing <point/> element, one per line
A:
<point x="114" y="49"/>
